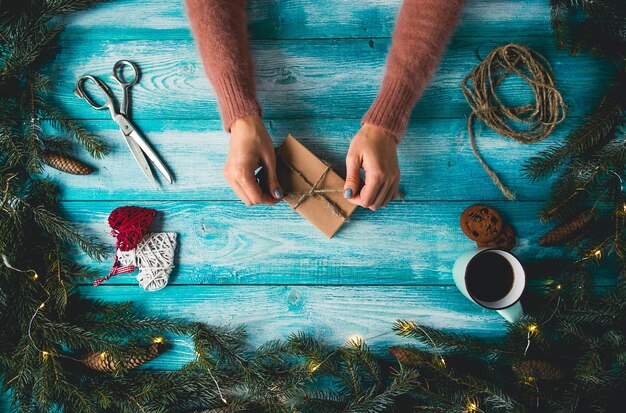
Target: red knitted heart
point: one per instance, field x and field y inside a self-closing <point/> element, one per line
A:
<point x="128" y="224"/>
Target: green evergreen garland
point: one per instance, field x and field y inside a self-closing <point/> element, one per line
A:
<point x="590" y="161"/>
<point x="568" y="355"/>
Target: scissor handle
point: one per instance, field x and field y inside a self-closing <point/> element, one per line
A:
<point x="118" y="73"/>
<point x="82" y="93"/>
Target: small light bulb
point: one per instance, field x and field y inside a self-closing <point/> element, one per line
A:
<point x="443" y="362"/>
<point x="35" y="276"/>
<point x="103" y="355"/>
<point x="157" y="340"/>
<point x="42" y="305"/>
<point x="598" y="254"/>
<point x="407" y="327"/>
<point x="559" y="286"/>
<point x="313" y="366"/>
<point x="533" y="328"/>
<point x="624" y="207"/>
<point x="45" y="355"/>
<point x="472" y="407"/>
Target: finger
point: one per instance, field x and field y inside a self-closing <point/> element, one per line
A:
<point x="253" y="190"/>
<point x="368" y="193"/>
<point x="381" y="196"/>
<point x="353" y="176"/>
<point x="273" y="186"/>
<point x="391" y="195"/>
<point x="397" y="194"/>
<point x="240" y="192"/>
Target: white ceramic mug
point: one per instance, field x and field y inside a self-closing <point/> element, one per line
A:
<point x="509" y="306"/>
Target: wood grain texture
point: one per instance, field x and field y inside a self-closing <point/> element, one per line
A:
<point x="304" y="78"/>
<point x="304" y="19"/>
<point x="333" y="314"/>
<point x="406" y="243"/>
<point x="318" y="67"/>
<point x="195" y="150"/>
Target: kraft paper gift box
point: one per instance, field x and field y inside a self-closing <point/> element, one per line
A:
<point x="311" y="188"/>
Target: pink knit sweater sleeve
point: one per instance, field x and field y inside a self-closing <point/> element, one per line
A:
<point x="219" y="27"/>
<point x="423" y="30"/>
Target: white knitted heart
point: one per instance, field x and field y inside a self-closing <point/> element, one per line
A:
<point x="154" y="256"/>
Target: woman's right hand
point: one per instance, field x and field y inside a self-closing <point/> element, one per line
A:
<point x="251" y="147"/>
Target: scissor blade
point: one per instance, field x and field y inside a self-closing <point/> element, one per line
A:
<point x="141" y="160"/>
<point x="151" y="154"/>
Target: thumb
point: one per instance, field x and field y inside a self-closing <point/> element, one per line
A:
<point x="272" y="180"/>
<point x="353" y="176"/>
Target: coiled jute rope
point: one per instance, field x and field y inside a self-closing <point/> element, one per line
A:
<point x="541" y="117"/>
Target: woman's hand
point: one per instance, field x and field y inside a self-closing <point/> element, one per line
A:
<point x="374" y="150"/>
<point x="251" y="147"/>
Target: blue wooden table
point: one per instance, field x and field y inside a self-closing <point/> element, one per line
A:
<point x="318" y="66"/>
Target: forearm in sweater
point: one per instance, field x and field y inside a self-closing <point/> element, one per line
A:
<point x="423" y="30"/>
<point x="219" y="27"/>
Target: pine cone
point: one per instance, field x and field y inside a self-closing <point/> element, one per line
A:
<point x="407" y="356"/>
<point x="565" y="232"/>
<point x="66" y="164"/>
<point x="153" y="350"/>
<point x="538" y="369"/>
<point x="101" y="361"/>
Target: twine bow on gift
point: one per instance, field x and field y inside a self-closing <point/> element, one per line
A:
<point x="315" y="191"/>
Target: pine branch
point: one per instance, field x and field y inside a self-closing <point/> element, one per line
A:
<point x="404" y="381"/>
<point x="57" y="7"/>
<point x="31" y="46"/>
<point x="65" y="232"/>
<point x="442" y="342"/>
<point x="226" y="343"/>
<point x="546" y="163"/>
<point x="134" y="325"/>
<point x="364" y="356"/>
<point x="558" y="21"/>
<point x="92" y="144"/>
<point x="599" y="128"/>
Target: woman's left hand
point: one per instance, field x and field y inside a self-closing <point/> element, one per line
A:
<point x="374" y="150"/>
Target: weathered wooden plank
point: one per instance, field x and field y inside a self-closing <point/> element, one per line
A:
<point x="272" y="19"/>
<point x="334" y="314"/>
<point x="433" y="151"/>
<point x="229" y="243"/>
<point x="410" y="243"/>
<point x="303" y="78"/>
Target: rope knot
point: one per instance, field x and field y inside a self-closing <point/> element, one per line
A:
<point x="314" y="191"/>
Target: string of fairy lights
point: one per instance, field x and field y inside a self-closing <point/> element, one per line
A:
<point x="45" y="354"/>
<point x="472" y="405"/>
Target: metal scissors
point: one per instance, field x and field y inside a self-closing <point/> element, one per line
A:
<point x="136" y="143"/>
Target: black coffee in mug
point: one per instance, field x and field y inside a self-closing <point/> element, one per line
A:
<point x="489" y="277"/>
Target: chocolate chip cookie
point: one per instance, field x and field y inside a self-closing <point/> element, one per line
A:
<point x="505" y="240"/>
<point x="481" y="223"/>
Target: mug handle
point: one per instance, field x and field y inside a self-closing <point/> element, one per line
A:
<point x="513" y="313"/>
